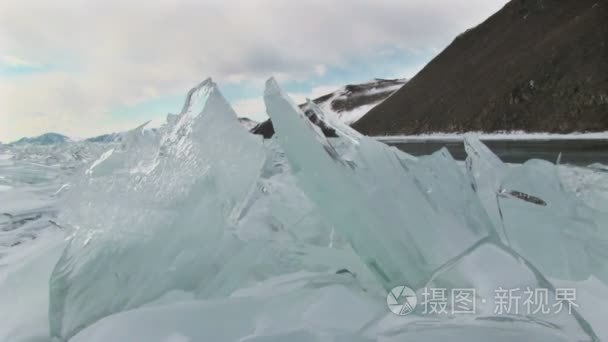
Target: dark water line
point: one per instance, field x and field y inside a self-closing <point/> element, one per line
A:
<point x="576" y="152"/>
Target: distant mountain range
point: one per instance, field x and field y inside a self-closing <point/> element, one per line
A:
<point x="348" y="103"/>
<point x="56" y="138"/>
<point x="535" y="65"/>
<point x="44" y="139"/>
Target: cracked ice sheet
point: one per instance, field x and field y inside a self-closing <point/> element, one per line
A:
<point x="289" y="310"/>
<point x="591" y="297"/>
<point x="589" y="184"/>
<point x="564" y="237"/>
<point x="24" y="294"/>
<point x="27" y="204"/>
<point x="558" y="232"/>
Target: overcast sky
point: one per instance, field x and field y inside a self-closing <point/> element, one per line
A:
<point x="90" y="67"/>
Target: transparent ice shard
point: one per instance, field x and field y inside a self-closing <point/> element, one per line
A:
<point x="414" y="222"/>
<point x="549" y="226"/>
<point x="556" y="226"/>
<point x="390" y="216"/>
<point x="277" y="204"/>
<point x="538" y="217"/>
<point x="142" y="234"/>
<point x="119" y="158"/>
<point x="330" y="120"/>
<point x="485" y="171"/>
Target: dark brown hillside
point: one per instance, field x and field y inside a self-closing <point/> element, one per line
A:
<point x="536" y="65"/>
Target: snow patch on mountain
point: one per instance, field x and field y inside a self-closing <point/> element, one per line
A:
<point x="351" y="102"/>
<point x="248" y="123"/>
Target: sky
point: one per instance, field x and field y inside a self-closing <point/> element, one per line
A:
<point x="84" y="68"/>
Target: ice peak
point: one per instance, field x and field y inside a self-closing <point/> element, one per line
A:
<point x="134" y="134"/>
<point x="272" y="87"/>
<point x="274" y="91"/>
<point x="205" y="106"/>
<point x="141" y="127"/>
<point x="197" y="96"/>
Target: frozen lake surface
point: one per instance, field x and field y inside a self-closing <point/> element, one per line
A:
<point x="574" y="150"/>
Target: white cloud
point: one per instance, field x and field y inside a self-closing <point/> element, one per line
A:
<point x="110" y="53"/>
<point x="255" y="109"/>
<point x="314" y="93"/>
<point x="320" y="69"/>
<point x="252" y="108"/>
<point x="15" y="62"/>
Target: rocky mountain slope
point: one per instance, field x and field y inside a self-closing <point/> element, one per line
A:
<point x="348" y="103"/>
<point x="535" y="65"/>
